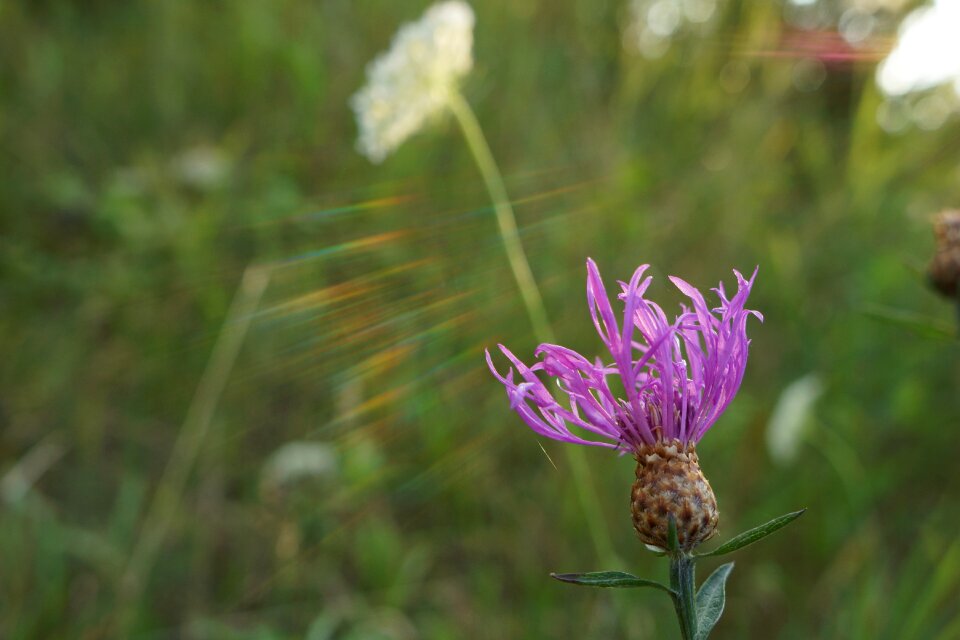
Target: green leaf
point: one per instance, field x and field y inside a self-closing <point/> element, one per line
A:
<point x="710" y="599"/>
<point x="608" y="579"/>
<point x="751" y="536"/>
<point x="924" y="326"/>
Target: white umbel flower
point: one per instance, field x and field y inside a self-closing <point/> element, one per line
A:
<point x="928" y="51"/>
<point x="410" y="83"/>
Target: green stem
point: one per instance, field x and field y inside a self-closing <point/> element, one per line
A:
<point x="958" y="313"/>
<point x="507" y="223"/>
<point x="187" y="446"/>
<point x="682" y="579"/>
<point x="504" y="212"/>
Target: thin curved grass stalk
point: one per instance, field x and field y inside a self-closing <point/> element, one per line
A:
<point x="533" y="301"/>
<point x="186" y="448"/>
<point x="506" y="221"/>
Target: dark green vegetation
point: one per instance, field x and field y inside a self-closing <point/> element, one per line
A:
<point x="151" y="151"/>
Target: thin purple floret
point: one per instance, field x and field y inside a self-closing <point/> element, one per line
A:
<point x="678" y="377"/>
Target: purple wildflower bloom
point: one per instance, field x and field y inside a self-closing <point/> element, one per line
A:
<point x="677" y="377"/>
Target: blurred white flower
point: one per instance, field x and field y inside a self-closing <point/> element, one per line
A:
<point x="410" y="83"/>
<point x="651" y="24"/>
<point x="203" y="167"/>
<point x="296" y="461"/>
<point x="927" y="53"/>
<point x="791" y="417"/>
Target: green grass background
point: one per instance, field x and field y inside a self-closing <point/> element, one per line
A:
<point x="440" y="516"/>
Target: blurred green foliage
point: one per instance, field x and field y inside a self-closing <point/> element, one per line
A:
<point x="153" y="150"/>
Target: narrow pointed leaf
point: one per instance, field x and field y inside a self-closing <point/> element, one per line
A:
<point x="673" y="542"/>
<point x="608" y="579"/>
<point x="757" y="533"/>
<point x="924" y="326"/>
<point x="710" y="600"/>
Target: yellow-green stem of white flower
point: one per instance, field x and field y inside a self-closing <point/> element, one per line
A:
<point x="504" y="212"/>
<point x="582" y="477"/>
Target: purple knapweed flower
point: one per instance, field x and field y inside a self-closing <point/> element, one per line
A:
<point x="676" y="379"/>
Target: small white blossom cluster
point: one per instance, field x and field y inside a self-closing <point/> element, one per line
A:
<point x="915" y="74"/>
<point x="410" y="83"/>
<point x="928" y="51"/>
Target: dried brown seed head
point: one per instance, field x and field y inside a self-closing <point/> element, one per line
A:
<point x="670" y="482"/>
<point x="944" y="269"/>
